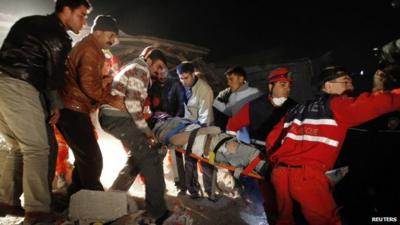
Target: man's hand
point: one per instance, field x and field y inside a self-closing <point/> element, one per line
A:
<point x="107" y="81"/>
<point x="224" y="95"/>
<point x="54" y="116"/>
<point x="152" y="142"/>
<point x="379" y="78"/>
<point x="151" y="139"/>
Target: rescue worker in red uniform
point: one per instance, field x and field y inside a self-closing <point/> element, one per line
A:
<point x="307" y="141"/>
<point x="259" y="116"/>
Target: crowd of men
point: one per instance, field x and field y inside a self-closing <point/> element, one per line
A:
<point x="47" y="83"/>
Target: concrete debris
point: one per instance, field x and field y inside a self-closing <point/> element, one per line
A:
<point x="97" y="206"/>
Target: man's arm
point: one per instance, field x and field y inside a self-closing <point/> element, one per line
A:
<point x="355" y="111"/>
<point x="240" y="119"/>
<point x="178" y="97"/>
<point x="136" y="94"/>
<point x="274" y="137"/>
<point x="206" y="115"/>
<point x="55" y="66"/>
<point x="221" y="101"/>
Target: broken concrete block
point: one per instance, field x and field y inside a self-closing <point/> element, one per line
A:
<point x="97" y="206"/>
<point x="132" y="205"/>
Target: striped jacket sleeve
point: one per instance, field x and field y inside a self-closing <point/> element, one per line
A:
<point x="133" y="85"/>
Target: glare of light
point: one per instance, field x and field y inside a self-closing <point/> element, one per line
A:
<point x="114" y="159"/>
<point x="362" y="72"/>
<point x="6" y="21"/>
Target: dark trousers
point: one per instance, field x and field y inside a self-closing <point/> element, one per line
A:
<point x="78" y="131"/>
<point x="207" y="176"/>
<point x="181" y="184"/>
<point x="140" y="159"/>
<point x="191" y="175"/>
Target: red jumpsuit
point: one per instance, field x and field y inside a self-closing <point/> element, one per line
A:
<point x="260" y="116"/>
<point x="307" y="142"/>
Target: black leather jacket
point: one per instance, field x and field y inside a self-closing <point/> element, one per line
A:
<point x="35" y="50"/>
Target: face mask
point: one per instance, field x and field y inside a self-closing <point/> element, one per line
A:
<point x="279" y="101"/>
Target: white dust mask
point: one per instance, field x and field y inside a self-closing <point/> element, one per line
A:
<point x="279" y="101"/>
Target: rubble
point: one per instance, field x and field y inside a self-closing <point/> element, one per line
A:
<point x="88" y="207"/>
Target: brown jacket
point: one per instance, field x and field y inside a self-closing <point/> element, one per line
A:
<point x="83" y="90"/>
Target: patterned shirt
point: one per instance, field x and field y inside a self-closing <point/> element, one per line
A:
<point x="132" y="83"/>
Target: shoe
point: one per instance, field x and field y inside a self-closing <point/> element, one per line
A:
<point x="181" y="193"/>
<point x="162" y="218"/>
<point x="14" y="210"/>
<point x="194" y="196"/>
<point x="214" y="198"/>
<point x="60" y="203"/>
<point x="39" y="218"/>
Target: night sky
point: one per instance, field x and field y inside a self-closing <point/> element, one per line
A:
<point x="351" y="29"/>
<point x="238" y="27"/>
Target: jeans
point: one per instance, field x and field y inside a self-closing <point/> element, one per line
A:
<point x="140" y="159"/>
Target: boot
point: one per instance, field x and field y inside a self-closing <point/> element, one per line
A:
<point x="39" y="218"/>
<point x="15" y="210"/>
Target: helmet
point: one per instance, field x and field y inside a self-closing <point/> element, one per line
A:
<point x="279" y="74"/>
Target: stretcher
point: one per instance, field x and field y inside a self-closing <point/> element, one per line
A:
<point x="209" y="144"/>
<point x="216" y="164"/>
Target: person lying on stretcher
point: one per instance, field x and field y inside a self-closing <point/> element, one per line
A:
<point x="207" y="142"/>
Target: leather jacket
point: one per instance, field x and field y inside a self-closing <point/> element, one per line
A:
<point x="83" y="90"/>
<point x="35" y="51"/>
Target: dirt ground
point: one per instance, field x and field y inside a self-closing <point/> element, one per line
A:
<point x="226" y="211"/>
<point x="232" y="210"/>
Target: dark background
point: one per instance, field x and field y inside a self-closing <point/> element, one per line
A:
<point x="349" y="29"/>
<point x="236" y="27"/>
